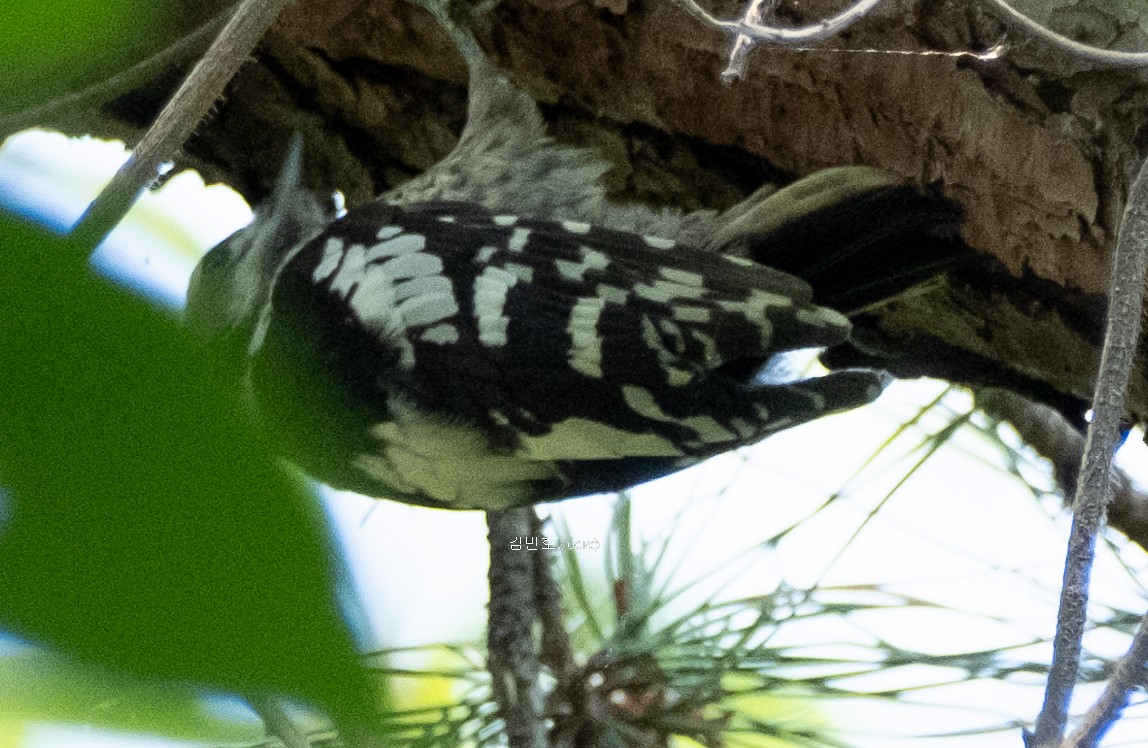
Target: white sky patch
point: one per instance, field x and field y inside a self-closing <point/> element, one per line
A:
<point x="51" y="179"/>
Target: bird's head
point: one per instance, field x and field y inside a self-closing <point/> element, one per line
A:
<point x="231" y="283"/>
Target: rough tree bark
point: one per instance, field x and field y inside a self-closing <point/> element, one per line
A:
<point x="1035" y="145"/>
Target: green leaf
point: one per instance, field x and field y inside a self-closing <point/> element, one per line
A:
<point x="54" y="47"/>
<point x="145" y="528"/>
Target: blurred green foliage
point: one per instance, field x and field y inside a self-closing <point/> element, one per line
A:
<point x="146" y="528"/>
<point x="143" y="529"/>
<point x="54" y="47"/>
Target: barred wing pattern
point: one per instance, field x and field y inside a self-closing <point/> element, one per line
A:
<point x="442" y="354"/>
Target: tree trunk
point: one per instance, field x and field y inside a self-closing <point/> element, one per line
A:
<point x="1035" y="145"/>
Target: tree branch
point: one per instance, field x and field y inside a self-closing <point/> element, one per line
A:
<point x="179" y="118"/>
<point x="122" y="82"/>
<point x="511" y="654"/>
<point x="1094" y="489"/>
<point x="1129" y="674"/>
<point x="1061" y="443"/>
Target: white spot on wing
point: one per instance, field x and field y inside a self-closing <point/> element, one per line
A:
<point x="386" y="232"/>
<point x="490" y="291"/>
<point x="505" y="220"/>
<point x="576" y="227"/>
<point x="821" y="317"/>
<point x="583" y="439"/>
<point x="658" y="242"/>
<point x="709" y="430"/>
<point x="664" y="291"/>
<point x="585" y="342"/>
<point x="683" y="276"/>
<point x="592" y="259"/>
<point x="450" y="462"/>
<point x="612" y="294"/>
<point x="400" y="245"/>
<point x="676" y="376"/>
<point x="332" y="252"/>
<point x="428" y="309"/>
<point x="518" y="239"/>
<point x="698" y="314"/>
<point x="412" y="266"/>
<point x="375" y="305"/>
<point x="641" y="401"/>
<point x="426" y="286"/>
<point x="710" y="355"/>
<point x="744" y="428"/>
<point x="351" y="271"/>
<point x="443" y="334"/>
<point x="379" y="469"/>
<point x="486" y="253"/>
<point x="524" y="273"/>
<point x="755" y="309"/>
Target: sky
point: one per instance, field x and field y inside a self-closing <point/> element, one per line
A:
<point x="961" y="532"/>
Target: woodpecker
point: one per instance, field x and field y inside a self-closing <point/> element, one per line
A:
<point x="496" y="333"/>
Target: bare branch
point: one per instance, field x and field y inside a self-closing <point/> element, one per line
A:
<point x="757" y="12"/>
<point x="1061" y="443"/>
<point x="179" y="118"/>
<point x="1083" y="51"/>
<point x="779" y="35"/>
<point x="126" y="80"/>
<point x="1094" y="489"/>
<point x="1129" y="674"/>
<point x="512" y="657"/>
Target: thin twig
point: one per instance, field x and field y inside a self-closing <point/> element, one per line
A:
<point x="122" y="82"/>
<point x="179" y="118"/>
<point x="779" y="35"/>
<point x="1094" y="487"/>
<point x="1077" y="49"/>
<point x="512" y="657"/>
<point x="1061" y="443"/>
<point x="757" y="12"/>
<point x="1129" y="674"/>
<point x="556" y="652"/>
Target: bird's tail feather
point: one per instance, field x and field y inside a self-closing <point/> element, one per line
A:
<point x="855" y="235"/>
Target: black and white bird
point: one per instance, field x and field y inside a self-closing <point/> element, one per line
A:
<point x="495" y="333"/>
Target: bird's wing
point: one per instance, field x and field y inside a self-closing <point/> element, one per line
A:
<point x="594" y="343"/>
